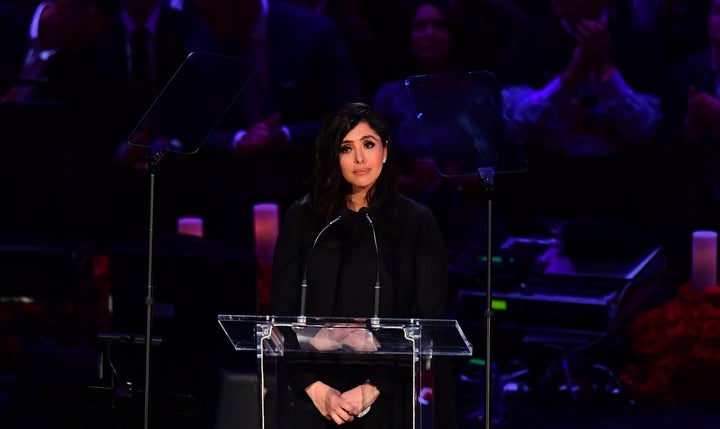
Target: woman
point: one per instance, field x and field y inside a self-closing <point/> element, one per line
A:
<point x="355" y="176"/>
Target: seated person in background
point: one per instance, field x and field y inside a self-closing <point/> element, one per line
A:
<point x="582" y="90"/>
<point x="431" y="44"/>
<point x="678" y="25"/>
<point x="15" y="19"/>
<point x="370" y="27"/>
<point x="57" y="29"/>
<point x="484" y="20"/>
<point x="110" y="86"/>
<point x="691" y="138"/>
<point x="260" y="149"/>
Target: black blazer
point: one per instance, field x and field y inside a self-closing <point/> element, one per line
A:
<point x="413" y="266"/>
<point x="341" y="275"/>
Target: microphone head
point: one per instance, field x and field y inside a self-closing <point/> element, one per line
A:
<point x="364" y="212"/>
<point x="341" y="216"/>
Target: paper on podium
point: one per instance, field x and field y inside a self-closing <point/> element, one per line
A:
<point x="356" y="337"/>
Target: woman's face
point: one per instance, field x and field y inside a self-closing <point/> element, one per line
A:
<point x="429" y="35"/>
<point x="361" y="157"/>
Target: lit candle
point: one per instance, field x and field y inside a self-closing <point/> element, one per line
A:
<point x="190" y="226"/>
<point x="266" y="224"/>
<point x="704" y="259"/>
<point x="266" y="221"/>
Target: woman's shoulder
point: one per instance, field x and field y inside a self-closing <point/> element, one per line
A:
<point x="411" y="206"/>
<point x="411" y="218"/>
<point x="305" y="202"/>
<point x="302" y="208"/>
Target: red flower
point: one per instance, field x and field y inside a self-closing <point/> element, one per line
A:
<point x="676" y="351"/>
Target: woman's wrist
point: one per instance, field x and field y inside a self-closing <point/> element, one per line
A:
<point x="370" y="390"/>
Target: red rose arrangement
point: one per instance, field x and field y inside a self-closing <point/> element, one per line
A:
<point x="674" y="350"/>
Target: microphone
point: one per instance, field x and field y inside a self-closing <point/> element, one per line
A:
<point x="375" y="320"/>
<point x="303" y="285"/>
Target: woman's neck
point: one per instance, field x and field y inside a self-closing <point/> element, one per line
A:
<point x="356" y="201"/>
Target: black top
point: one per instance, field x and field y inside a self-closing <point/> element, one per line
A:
<point x="342" y="268"/>
<point x="340" y="283"/>
<point x="357" y="271"/>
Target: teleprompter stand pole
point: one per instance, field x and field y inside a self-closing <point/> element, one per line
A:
<point x="487" y="176"/>
<point x="153" y="160"/>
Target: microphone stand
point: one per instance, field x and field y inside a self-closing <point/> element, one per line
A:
<point x="302" y="319"/>
<point x="153" y="160"/>
<point x="375" y="320"/>
<point x="475" y="103"/>
<point x="487" y="175"/>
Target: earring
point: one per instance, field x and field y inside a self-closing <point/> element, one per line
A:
<point x="384" y="159"/>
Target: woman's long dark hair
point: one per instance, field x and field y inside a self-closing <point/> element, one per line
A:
<point x="329" y="188"/>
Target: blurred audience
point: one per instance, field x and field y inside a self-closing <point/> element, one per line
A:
<point x="57" y="31"/>
<point x="82" y="52"/>
<point x="691" y="136"/>
<point x="432" y="45"/>
<point x="583" y="90"/>
<point x="260" y="150"/>
<point x="482" y="20"/>
<point x="535" y="9"/>
<point x="111" y="89"/>
<point x="371" y="29"/>
<point x="15" y="18"/>
<point x="429" y="46"/>
<point x="679" y="27"/>
<point x="580" y="79"/>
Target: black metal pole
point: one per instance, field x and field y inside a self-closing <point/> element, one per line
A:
<point x="153" y="160"/>
<point x="487" y="175"/>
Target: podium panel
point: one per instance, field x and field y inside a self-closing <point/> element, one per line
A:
<point x="401" y="348"/>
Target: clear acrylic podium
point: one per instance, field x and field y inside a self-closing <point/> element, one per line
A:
<point x="273" y="337"/>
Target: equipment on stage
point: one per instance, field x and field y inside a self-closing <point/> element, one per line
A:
<point x="568" y="289"/>
<point x="468" y="133"/>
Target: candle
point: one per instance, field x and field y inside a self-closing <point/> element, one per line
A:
<point x="704" y="259"/>
<point x="190" y="225"/>
<point x="266" y="222"/>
